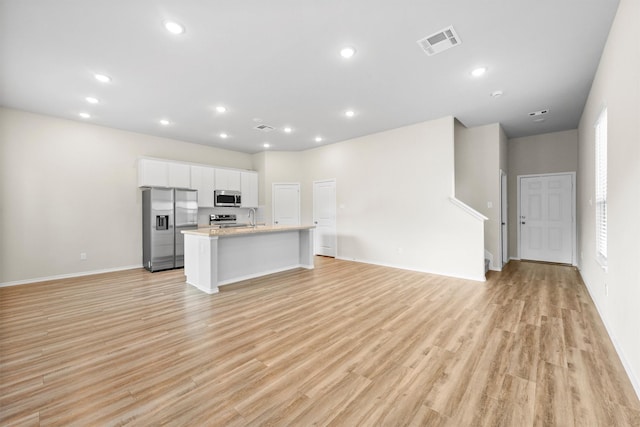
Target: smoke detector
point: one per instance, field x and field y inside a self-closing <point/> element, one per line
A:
<point x="440" y="41"/>
<point x="264" y="128"/>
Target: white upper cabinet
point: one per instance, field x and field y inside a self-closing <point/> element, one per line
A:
<point x="249" y="189"/>
<point x="179" y="175"/>
<point x="205" y="179"/>
<point x="227" y="179"/>
<point x="160" y="173"/>
<point x="153" y="173"/>
<point x="202" y="179"/>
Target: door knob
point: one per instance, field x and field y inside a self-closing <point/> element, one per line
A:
<point x="315" y="222"/>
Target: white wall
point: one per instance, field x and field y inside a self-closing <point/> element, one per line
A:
<point x="69" y="187"/>
<point x="546" y="153"/>
<point x="480" y="153"/>
<point x="393" y="192"/>
<point x="617" y="87"/>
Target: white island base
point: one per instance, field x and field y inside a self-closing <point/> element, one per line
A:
<point x="215" y="257"/>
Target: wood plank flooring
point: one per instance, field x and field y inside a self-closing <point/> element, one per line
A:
<point x="346" y="344"/>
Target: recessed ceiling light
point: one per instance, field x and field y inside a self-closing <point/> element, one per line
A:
<point x="221" y="109"/>
<point x="479" y="71"/>
<point x="347" y="52"/>
<point x="287" y="130"/>
<point x="496" y="94"/>
<point x="266" y="145"/>
<point x="349" y="113"/>
<point x="318" y="139"/>
<point x="85" y="115"/>
<point x="103" y="78"/>
<point x="91" y="100"/>
<point x="165" y="122"/>
<point x="224" y="135"/>
<point x="173" y="27"/>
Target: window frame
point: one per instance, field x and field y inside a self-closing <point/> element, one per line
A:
<point x="601" y="202"/>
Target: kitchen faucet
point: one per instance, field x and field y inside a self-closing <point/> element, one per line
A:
<point x="252" y="218"/>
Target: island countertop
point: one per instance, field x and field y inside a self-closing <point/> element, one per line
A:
<point x="238" y="231"/>
<point x="215" y="256"/>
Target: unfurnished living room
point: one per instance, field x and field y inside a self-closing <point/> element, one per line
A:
<point x="347" y="213"/>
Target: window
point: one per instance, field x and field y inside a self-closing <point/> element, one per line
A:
<point x="601" y="188"/>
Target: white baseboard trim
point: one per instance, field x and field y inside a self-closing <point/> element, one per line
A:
<point x="401" y="267"/>
<point x="512" y="258"/>
<point x="68" y="276"/>
<point x="635" y="381"/>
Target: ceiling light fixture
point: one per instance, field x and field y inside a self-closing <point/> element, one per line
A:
<point x="347" y="52"/>
<point x="221" y="109"/>
<point x="85" y="115"/>
<point x="224" y="135"/>
<point x="102" y="78"/>
<point x="173" y="27"/>
<point x="266" y="145"/>
<point x="479" y="71"/>
<point x="165" y="122"/>
<point x="287" y="130"/>
<point x="318" y="139"/>
<point x="349" y="113"/>
<point x="496" y="94"/>
<point x="92" y="100"/>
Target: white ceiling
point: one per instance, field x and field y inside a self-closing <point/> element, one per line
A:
<point x="278" y="61"/>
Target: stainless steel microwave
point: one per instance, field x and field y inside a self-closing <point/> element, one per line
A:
<point x="227" y="198"/>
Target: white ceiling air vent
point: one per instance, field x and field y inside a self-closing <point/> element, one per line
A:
<point x="440" y="41"/>
<point x="264" y="128"/>
<point x="538" y="113"/>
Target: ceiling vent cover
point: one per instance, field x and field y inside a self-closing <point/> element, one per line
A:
<point x="264" y="128"/>
<point x="440" y="41"/>
<point x="538" y="113"/>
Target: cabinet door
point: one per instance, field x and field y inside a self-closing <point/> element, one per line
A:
<point x="227" y="179"/>
<point x="249" y="189"/>
<point x="179" y="175"/>
<point x="202" y="179"/>
<point x="153" y="173"/>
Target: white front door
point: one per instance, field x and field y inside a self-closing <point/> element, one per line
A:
<point x="324" y="217"/>
<point x="286" y="204"/>
<point x="546" y="218"/>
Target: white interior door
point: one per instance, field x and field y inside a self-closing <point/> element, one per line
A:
<point x="286" y="204"/>
<point x="546" y="218"/>
<point x="504" y="218"/>
<point x="324" y="217"/>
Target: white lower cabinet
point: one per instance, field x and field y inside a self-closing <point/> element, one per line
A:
<point x="203" y="180"/>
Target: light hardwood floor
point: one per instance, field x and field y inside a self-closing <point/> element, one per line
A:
<point x="345" y="344"/>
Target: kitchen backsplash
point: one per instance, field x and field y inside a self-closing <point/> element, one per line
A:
<point x="241" y="213"/>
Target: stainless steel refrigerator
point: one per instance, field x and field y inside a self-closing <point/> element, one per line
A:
<point x="165" y="213"/>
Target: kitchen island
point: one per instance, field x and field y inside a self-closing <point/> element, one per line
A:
<point x="215" y="257"/>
